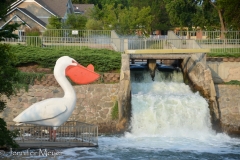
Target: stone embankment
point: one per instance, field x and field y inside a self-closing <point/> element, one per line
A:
<point x="95" y="102"/>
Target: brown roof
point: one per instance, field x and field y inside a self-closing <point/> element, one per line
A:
<point x="82" y="8"/>
<point x="57" y="7"/>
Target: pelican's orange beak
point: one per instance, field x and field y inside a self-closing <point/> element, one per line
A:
<point x="82" y="75"/>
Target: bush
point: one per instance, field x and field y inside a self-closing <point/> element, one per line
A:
<point x="103" y="60"/>
<point x="33" y="38"/>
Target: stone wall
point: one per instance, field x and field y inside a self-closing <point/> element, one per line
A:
<point x="49" y="79"/>
<point x="228" y="98"/>
<point x="94" y="103"/>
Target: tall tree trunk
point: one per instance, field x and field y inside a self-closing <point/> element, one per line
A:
<point x="222" y="23"/>
<point x="223" y="27"/>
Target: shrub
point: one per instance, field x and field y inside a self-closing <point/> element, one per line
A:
<point x="33" y="38"/>
<point x="103" y="60"/>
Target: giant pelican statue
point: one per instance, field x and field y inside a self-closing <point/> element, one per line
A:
<point x="55" y="111"/>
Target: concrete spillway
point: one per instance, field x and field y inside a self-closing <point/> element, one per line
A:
<point x="193" y="66"/>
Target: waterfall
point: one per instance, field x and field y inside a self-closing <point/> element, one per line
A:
<point x="167" y="107"/>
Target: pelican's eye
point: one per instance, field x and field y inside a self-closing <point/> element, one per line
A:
<point x="74" y="63"/>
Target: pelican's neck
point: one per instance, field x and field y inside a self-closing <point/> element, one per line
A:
<point x="60" y="76"/>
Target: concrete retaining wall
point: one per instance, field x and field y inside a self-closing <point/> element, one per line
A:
<point x="228" y="97"/>
<point x="199" y="77"/>
<point x="124" y="95"/>
<point x="224" y="69"/>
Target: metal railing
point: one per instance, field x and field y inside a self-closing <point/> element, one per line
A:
<point x="208" y="34"/>
<point x="62" y="42"/>
<point x="71" y="133"/>
<point x="110" y="40"/>
<point x="66" y="33"/>
<point x="182" y="43"/>
<point x="135" y="44"/>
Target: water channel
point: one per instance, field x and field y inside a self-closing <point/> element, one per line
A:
<point x="168" y="121"/>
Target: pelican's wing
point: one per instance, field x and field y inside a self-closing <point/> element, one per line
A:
<point x="46" y="109"/>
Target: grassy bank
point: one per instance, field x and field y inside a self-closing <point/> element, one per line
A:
<point x="227" y="52"/>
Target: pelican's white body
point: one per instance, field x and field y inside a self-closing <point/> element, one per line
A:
<point x="55" y="111"/>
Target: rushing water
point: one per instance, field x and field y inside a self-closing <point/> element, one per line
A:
<point x="168" y="121"/>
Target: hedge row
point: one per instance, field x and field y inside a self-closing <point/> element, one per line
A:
<point x="103" y="60"/>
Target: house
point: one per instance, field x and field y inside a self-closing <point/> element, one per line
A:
<point x="35" y="13"/>
<point x="82" y="8"/>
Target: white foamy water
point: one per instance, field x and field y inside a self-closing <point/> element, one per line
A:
<point x="168" y="109"/>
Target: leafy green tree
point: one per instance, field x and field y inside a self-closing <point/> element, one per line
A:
<point x="93" y="24"/>
<point x="160" y="19"/>
<point x="86" y="2"/>
<point x="181" y="12"/>
<point x="7" y="75"/>
<point x="232" y="13"/>
<point x="96" y="13"/>
<point x="54" y="22"/>
<point x="123" y="20"/>
<point x="206" y="18"/>
<point x="76" y="21"/>
<point x="110" y="17"/>
<point x="220" y="10"/>
<point x="115" y="3"/>
<point x="228" y="12"/>
<point x="208" y="14"/>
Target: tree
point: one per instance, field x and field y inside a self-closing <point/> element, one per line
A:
<point x="123" y="20"/>
<point x="206" y="17"/>
<point x="7" y="75"/>
<point x="93" y="24"/>
<point x="86" y="2"/>
<point x="220" y="10"/>
<point x="54" y="22"/>
<point x="230" y="13"/>
<point x="219" y="14"/>
<point x="76" y="21"/>
<point x="160" y="19"/>
<point x="115" y="3"/>
<point x="181" y="12"/>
